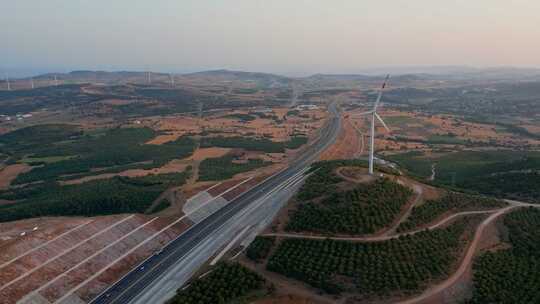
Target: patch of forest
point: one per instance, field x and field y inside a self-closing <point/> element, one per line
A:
<point x="99" y="197"/>
<point x="254" y="144"/>
<point x="241" y="117"/>
<point x="448" y="204"/>
<point x="363" y="210"/>
<point x="401" y="266"/>
<point x="501" y="173"/>
<point x="111" y="150"/>
<point x="220" y="168"/>
<point x="52" y="97"/>
<point x="511" y="275"/>
<point x="524" y="186"/>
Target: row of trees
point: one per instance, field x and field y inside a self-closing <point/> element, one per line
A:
<point x="402" y="265"/>
<point x="451" y="202"/>
<point x="511" y="275"/>
<point x="363" y="210"/>
<point x="227" y="282"/>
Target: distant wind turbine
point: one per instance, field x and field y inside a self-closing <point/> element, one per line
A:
<point x="8" y="84"/>
<point x="374" y="115"/>
<point x="172" y="79"/>
<point x="55" y="80"/>
<point x="32" y="82"/>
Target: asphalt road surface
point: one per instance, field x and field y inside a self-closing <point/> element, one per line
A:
<point x="139" y="280"/>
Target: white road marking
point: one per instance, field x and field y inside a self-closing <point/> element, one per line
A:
<point x="24" y="275"/>
<point x="43" y="245"/>
<point x="229" y="246"/>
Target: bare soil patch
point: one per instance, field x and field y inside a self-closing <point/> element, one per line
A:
<point x="285" y="288"/>
<point x="348" y="144"/>
<point x="9" y="173"/>
<point x="204" y="153"/>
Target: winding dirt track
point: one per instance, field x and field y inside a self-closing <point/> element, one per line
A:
<point x="382" y="237"/>
<point x="469" y="255"/>
<point x="464" y="264"/>
<point x="419" y="192"/>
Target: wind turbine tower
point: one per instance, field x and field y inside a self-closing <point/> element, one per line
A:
<point x="55" y="80"/>
<point x="7" y="82"/>
<point x="374" y="116"/>
<point x="32" y="82"/>
<point x="172" y="79"/>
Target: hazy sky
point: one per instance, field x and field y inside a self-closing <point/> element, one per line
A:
<point x="284" y="36"/>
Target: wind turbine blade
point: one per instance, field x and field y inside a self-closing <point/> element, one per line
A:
<point x="363" y="113"/>
<point x="380" y="93"/>
<point x="382" y="122"/>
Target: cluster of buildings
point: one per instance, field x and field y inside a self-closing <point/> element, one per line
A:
<point x="17" y="117"/>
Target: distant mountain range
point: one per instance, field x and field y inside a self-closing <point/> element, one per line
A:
<point x="411" y="74"/>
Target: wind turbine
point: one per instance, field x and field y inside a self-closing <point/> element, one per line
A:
<point x="32" y="82"/>
<point x="172" y="79"/>
<point x="374" y="116"/>
<point x="7" y="82"/>
<point x="55" y="80"/>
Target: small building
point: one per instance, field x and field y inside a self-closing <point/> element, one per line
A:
<point x="307" y="107"/>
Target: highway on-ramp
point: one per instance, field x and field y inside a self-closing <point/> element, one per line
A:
<point x="143" y="279"/>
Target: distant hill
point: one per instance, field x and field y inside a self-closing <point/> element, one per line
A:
<point x="262" y="79"/>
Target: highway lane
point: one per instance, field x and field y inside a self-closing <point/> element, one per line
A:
<point x="136" y="281"/>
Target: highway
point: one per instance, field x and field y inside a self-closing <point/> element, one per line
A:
<point x="136" y="286"/>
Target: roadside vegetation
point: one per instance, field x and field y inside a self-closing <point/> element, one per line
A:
<point x="399" y="266"/>
<point x="450" y="203"/>
<point x="511" y="275"/>
<point x="227" y="283"/>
